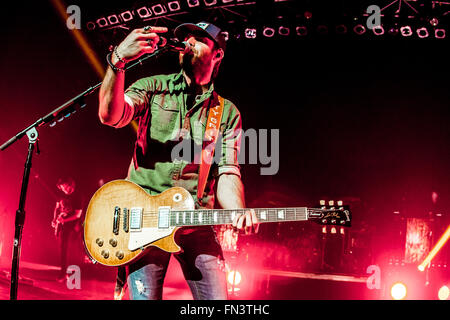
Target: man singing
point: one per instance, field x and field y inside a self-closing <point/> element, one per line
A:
<point x="171" y="108"/>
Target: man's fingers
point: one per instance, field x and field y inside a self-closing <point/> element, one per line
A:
<point x="255" y="222"/>
<point x="240" y="222"/>
<point x="152" y="29"/>
<point x="147" y="36"/>
<point x="248" y="223"/>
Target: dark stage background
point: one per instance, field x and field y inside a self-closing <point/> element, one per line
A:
<point x="361" y="120"/>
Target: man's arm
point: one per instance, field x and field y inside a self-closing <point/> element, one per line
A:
<point x="230" y="195"/>
<point x="111" y="96"/>
<point x="76" y="216"/>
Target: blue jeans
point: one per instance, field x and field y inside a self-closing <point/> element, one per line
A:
<point x="201" y="260"/>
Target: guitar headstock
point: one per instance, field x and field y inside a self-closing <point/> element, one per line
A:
<point x="331" y="213"/>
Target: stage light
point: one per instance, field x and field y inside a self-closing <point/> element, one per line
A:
<point x="193" y="3"/>
<point x="333" y="230"/>
<point x="340" y="203"/>
<point x="359" y="29"/>
<point x="226" y="35"/>
<point x="234" y="277"/>
<point x="341" y="230"/>
<point x="378" y="30"/>
<point x="331" y="203"/>
<point x="322" y="202"/>
<point x="250" y="33"/>
<point x="143" y="12"/>
<point x="434" y="21"/>
<point x="341" y="29"/>
<point x="422" y="32"/>
<point x="268" y="32"/>
<point x="126" y="16"/>
<point x="322" y="29"/>
<point x="393" y="31"/>
<point x="102" y="22"/>
<point x="90" y="25"/>
<point x="301" y="31"/>
<point x="159" y="9"/>
<point x="174" y="6"/>
<point x="324" y="229"/>
<point x="113" y="19"/>
<point x="439" y="33"/>
<point x="210" y="2"/>
<point x="406" y="31"/>
<point x="283" y="31"/>
<point x="398" y="291"/>
<point x="444" y="293"/>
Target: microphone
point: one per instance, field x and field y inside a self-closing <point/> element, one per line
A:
<point x="173" y="44"/>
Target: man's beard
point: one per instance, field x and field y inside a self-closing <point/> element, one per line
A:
<point x="186" y="63"/>
<point x="190" y="63"/>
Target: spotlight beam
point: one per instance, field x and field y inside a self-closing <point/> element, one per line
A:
<point x="435" y="249"/>
<point x="81" y="40"/>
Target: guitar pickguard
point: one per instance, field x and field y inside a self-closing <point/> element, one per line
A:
<point x="146" y="236"/>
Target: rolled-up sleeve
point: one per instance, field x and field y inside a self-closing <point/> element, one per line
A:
<point x="136" y="99"/>
<point x="230" y="144"/>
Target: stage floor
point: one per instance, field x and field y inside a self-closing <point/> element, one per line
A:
<point x="39" y="282"/>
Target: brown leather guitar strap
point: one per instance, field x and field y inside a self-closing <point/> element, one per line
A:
<point x="209" y="144"/>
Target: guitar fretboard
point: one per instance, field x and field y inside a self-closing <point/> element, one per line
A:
<point x="223" y="216"/>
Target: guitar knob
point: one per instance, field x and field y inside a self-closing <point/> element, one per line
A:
<point x="105" y="254"/>
<point x="119" y="255"/>
<point x="113" y="242"/>
<point x="99" y="242"/>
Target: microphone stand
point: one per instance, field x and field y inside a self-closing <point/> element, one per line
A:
<point x="31" y="132"/>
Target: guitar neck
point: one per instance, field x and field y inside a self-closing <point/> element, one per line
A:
<point x="223" y="216"/>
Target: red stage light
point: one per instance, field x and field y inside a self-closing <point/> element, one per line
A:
<point x="234" y="277"/>
<point x="398" y="291"/>
<point x="444" y="293"/>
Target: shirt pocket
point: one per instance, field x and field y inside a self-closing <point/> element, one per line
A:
<point x="165" y="117"/>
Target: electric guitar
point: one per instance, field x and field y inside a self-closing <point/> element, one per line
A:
<point x="122" y="220"/>
<point x="57" y="224"/>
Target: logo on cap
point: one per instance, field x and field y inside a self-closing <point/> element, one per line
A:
<point x="203" y="25"/>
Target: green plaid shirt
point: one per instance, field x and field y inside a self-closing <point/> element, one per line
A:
<point x="159" y="104"/>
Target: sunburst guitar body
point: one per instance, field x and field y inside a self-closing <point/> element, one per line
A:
<point x="122" y="220"/>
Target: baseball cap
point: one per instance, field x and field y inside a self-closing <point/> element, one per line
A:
<point x="202" y="28"/>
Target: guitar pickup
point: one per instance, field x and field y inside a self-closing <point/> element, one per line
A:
<point x="135" y="219"/>
<point x="163" y="217"/>
<point x="116" y="220"/>
<point x="125" y="219"/>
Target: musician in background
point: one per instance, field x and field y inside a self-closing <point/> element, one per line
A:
<point x="66" y="218"/>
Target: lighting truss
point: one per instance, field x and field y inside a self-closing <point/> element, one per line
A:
<point x="275" y="19"/>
